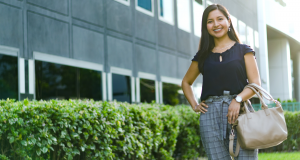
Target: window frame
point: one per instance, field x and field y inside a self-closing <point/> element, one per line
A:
<point x="167" y="80"/>
<point x="162" y="18"/>
<point x="148" y="76"/>
<point x="14" y="52"/>
<point x="124" y="72"/>
<point x="127" y="3"/>
<point x="68" y="62"/>
<point x="143" y="10"/>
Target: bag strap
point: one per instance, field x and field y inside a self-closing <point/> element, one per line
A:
<point x="237" y="148"/>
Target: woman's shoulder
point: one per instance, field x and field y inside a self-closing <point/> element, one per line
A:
<point x="244" y="48"/>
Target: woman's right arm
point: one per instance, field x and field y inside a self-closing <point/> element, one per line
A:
<point x="186" y="84"/>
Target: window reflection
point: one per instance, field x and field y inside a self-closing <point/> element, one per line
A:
<point x="146" y="4"/>
<point x="55" y="81"/>
<point x="147" y="90"/>
<point x="121" y="88"/>
<point x="171" y="94"/>
<point x="8" y="77"/>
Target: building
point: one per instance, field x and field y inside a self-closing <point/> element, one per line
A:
<point x="128" y="50"/>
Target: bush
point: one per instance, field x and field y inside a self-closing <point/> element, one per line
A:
<point x="87" y="129"/>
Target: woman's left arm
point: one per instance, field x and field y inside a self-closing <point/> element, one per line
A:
<point x="253" y="77"/>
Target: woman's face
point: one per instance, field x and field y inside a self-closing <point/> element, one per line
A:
<point x="217" y="24"/>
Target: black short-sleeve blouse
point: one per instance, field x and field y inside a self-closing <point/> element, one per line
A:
<point x="229" y="75"/>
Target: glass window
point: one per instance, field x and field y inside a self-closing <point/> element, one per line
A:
<point x="8" y="77"/>
<point x="145" y="4"/>
<point x="184" y="15"/>
<point x="166" y="11"/>
<point x="198" y="11"/>
<point x="242" y="32"/>
<point x="121" y="87"/>
<point x="256" y="37"/>
<point x="147" y="90"/>
<point x="234" y="22"/>
<point x="250" y="37"/>
<point x="172" y="94"/>
<point x="55" y="81"/>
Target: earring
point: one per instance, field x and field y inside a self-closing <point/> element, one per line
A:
<point x="229" y="29"/>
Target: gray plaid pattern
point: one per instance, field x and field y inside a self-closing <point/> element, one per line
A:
<point x="215" y="130"/>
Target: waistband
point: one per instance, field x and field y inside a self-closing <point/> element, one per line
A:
<point x="225" y="97"/>
<point x="220" y="98"/>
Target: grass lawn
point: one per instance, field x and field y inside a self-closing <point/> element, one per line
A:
<point x="279" y="156"/>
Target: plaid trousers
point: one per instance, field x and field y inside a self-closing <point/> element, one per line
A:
<point x="215" y="130"/>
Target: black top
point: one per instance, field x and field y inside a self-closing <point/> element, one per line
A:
<point x="230" y="74"/>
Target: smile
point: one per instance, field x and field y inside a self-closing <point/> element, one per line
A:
<point x="217" y="30"/>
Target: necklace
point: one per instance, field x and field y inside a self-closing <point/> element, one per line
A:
<point x="222" y="48"/>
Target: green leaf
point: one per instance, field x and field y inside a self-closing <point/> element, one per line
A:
<point x="69" y="144"/>
<point x="24" y="143"/>
<point x="11" y="139"/>
<point x="82" y="148"/>
<point x="44" y="149"/>
<point x="38" y="152"/>
<point x="76" y="151"/>
<point x="53" y="139"/>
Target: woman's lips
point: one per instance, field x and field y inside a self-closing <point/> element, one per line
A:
<point x="218" y="30"/>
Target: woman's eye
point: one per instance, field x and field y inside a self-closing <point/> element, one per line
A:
<point x="208" y="21"/>
<point x="221" y="19"/>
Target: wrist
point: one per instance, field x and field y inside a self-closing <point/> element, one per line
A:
<point x="238" y="99"/>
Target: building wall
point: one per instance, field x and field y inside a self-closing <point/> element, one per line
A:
<point x="280" y="69"/>
<point x="108" y="33"/>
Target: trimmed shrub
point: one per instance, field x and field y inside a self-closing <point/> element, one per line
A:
<point x="87" y="129"/>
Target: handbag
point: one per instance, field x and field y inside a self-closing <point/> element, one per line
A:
<point x="258" y="130"/>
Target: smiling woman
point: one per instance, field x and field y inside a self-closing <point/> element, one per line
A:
<point x="227" y="66"/>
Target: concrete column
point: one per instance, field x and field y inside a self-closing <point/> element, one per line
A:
<point x="296" y="70"/>
<point x="280" y="69"/>
<point x="263" y="62"/>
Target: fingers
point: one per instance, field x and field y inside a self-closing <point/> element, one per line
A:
<point x="232" y="116"/>
<point x="201" y="107"/>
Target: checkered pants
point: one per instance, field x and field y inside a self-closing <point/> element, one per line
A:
<point x="215" y="130"/>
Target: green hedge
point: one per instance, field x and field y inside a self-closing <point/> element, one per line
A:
<point x="87" y="129"/>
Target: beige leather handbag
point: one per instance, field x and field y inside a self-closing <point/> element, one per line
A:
<point x="262" y="129"/>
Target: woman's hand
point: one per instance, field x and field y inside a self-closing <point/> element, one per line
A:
<point x="233" y="111"/>
<point x="201" y="107"/>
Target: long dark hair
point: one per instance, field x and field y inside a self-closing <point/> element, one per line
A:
<point x="207" y="42"/>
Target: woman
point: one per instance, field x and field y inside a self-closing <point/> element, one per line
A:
<point x="227" y="66"/>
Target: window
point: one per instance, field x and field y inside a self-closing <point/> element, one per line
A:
<point x="121" y="88"/>
<point x="198" y="11"/>
<point x="184" y="15"/>
<point x="56" y="81"/>
<point x="250" y="39"/>
<point x="173" y="94"/>
<point x="8" y="77"/>
<point x="234" y="22"/>
<point x="242" y="32"/>
<point x="126" y="2"/>
<point x="256" y="37"/>
<point x="147" y="90"/>
<point x="166" y="11"/>
<point x="145" y="6"/>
